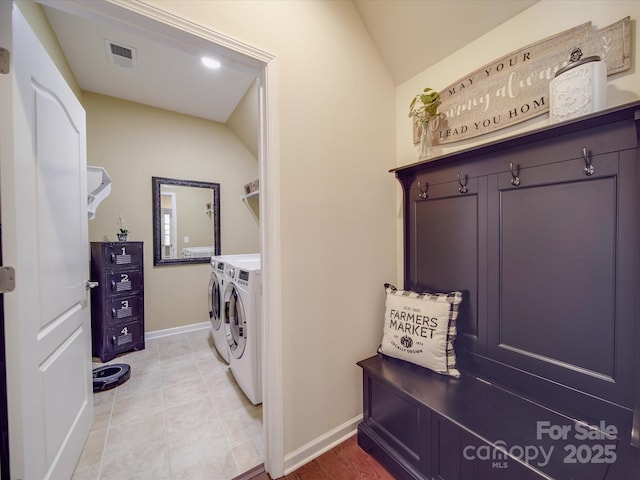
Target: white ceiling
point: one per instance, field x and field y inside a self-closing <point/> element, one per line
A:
<point x="410" y="35"/>
<point x="165" y="76"/>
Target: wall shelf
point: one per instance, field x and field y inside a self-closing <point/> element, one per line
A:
<point x="252" y="203"/>
<point x="249" y="195"/>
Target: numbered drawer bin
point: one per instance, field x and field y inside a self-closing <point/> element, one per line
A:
<point x="121" y="338"/>
<point x="125" y="308"/>
<point x="118" y="301"/>
<point x="124" y="282"/>
<point x="122" y="255"/>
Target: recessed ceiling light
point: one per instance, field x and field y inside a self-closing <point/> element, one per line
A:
<point x="210" y="62"/>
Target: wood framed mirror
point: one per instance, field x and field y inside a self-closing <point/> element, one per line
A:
<point x="186" y="221"/>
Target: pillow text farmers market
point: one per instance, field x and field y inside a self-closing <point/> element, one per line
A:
<point x="413" y="323"/>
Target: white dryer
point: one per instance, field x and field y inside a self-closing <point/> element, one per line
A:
<point x="217" y="282"/>
<point x="243" y="326"/>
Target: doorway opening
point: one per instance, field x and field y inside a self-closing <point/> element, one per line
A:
<point x="170" y="29"/>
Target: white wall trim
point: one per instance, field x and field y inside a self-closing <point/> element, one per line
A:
<point x="151" y="20"/>
<point x="167" y="332"/>
<point x="270" y="241"/>
<point x="320" y="445"/>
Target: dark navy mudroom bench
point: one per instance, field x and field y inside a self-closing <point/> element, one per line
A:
<point x="543" y="241"/>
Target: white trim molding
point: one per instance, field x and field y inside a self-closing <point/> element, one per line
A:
<point x="270" y="242"/>
<point x="320" y="445"/>
<point x="167" y="332"/>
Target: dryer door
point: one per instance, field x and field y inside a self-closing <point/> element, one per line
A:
<point x="235" y="324"/>
<point x="215" y="313"/>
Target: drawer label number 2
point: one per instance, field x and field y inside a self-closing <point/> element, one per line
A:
<point x="124" y="283"/>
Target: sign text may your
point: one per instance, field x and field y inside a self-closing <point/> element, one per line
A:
<point x="515" y="88"/>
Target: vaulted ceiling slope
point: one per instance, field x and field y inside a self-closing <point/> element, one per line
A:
<point x="410" y="35"/>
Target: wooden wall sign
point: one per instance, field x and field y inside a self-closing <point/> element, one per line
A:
<point x="515" y="88"/>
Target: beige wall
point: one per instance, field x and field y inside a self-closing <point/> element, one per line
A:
<point x="134" y="142"/>
<point x="244" y="120"/>
<point x="338" y="210"/>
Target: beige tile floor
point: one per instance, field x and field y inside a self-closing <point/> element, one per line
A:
<point x="181" y="415"/>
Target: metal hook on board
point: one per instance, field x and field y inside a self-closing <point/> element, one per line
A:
<point x="423" y="193"/>
<point x="463" y="186"/>
<point x="589" y="169"/>
<point x="515" y="179"/>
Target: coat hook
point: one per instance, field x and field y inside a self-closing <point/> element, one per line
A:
<point x="463" y="186"/>
<point x="588" y="168"/>
<point x="515" y="180"/>
<point x="423" y="192"/>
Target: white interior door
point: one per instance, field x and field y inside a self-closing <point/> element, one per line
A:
<point x="44" y="228"/>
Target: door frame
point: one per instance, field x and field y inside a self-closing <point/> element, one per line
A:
<point x="144" y="17"/>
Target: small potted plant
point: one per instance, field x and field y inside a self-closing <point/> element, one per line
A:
<point x="424" y="109"/>
<point x="123" y="233"/>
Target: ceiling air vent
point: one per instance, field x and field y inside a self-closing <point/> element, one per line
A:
<point x="121" y="55"/>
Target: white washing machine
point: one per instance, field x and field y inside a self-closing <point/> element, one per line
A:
<point x="216" y="292"/>
<point x="217" y="282"/>
<point x="243" y="326"/>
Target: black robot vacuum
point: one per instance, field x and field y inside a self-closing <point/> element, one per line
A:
<point x="110" y="376"/>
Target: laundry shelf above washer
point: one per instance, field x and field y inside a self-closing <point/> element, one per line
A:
<point x="249" y="195"/>
<point x="251" y="200"/>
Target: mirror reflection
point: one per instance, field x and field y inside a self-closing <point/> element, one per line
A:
<point x="186" y="221"/>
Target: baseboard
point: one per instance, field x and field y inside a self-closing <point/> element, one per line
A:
<point x="167" y="332"/>
<point x="320" y="445"/>
<point x="252" y="474"/>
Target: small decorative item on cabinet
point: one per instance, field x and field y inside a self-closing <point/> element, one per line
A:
<point x="252" y="187"/>
<point x="579" y="88"/>
<point x="423" y="109"/>
<point x="123" y="233"/>
<point x="426" y="142"/>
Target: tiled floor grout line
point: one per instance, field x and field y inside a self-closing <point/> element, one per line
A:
<point x="165" y="429"/>
<point x="106" y="437"/>
<point x="218" y="414"/>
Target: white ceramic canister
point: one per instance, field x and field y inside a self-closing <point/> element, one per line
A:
<point x="578" y="89"/>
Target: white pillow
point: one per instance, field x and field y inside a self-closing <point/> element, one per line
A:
<point x="421" y="327"/>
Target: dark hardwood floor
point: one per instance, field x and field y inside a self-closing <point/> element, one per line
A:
<point x="346" y="461"/>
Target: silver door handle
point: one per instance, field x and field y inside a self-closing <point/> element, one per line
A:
<point x="89" y="285"/>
